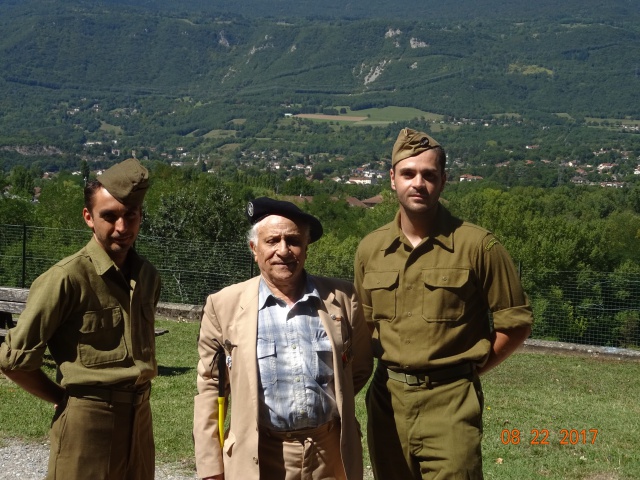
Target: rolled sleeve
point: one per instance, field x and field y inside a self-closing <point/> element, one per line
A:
<point x="514" y="317"/>
<point x="19" y="359"/>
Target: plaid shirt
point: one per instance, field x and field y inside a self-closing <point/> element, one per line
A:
<point x="295" y="362"/>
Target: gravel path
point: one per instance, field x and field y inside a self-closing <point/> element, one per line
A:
<point x="28" y="461"/>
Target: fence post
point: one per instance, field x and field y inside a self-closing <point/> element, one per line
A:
<point x="24" y="254"/>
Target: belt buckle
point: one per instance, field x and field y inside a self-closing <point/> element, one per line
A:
<point x="416" y="380"/>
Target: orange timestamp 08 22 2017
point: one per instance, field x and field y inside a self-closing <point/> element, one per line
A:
<point x="566" y="436"/>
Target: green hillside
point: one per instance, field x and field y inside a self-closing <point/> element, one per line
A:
<point x="155" y="72"/>
<point x="589" y="66"/>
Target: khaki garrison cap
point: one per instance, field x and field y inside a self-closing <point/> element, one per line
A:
<point x="411" y="143"/>
<point x="126" y="181"/>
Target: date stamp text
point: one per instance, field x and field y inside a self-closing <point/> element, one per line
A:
<point x="543" y="436"/>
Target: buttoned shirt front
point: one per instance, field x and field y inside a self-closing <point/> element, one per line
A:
<point x="97" y="323"/>
<point x="430" y="304"/>
<point x="295" y="362"/>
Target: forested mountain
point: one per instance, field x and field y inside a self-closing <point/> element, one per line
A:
<point x="215" y="79"/>
<point x="428" y="10"/>
<point x="462" y="58"/>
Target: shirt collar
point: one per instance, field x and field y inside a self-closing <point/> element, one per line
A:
<point x="102" y="261"/>
<point x="443" y="229"/>
<point x="264" y="293"/>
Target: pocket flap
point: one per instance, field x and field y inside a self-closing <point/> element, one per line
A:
<point x="445" y="277"/>
<point x="375" y="280"/>
<point x="322" y="345"/>
<point x="96" y="321"/>
<point x="265" y="348"/>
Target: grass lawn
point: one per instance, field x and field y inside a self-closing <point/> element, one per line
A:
<point x="529" y="402"/>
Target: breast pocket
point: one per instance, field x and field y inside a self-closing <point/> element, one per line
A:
<point x="266" y="353"/>
<point x="382" y="287"/>
<point x="101" y="339"/>
<point x="445" y="295"/>
<point x="323" y="365"/>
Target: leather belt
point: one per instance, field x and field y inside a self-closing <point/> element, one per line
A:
<point x="303" y="433"/>
<point x="130" y="397"/>
<point x="433" y="377"/>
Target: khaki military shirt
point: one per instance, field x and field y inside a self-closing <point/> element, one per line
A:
<point x="99" y="326"/>
<point x="430" y="304"/>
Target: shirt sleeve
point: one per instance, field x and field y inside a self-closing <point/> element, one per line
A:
<point x="49" y="298"/>
<point x="505" y="296"/>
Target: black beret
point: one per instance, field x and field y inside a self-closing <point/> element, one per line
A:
<point x="264" y="206"/>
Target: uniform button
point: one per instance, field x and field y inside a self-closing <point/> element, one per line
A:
<point x="288" y="435"/>
<point x="297" y="379"/>
<point x="406" y="367"/>
<point x="409" y="287"/>
<point x="294" y="347"/>
<point x="255" y="460"/>
<point x="445" y="279"/>
<point x="408" y="314"/>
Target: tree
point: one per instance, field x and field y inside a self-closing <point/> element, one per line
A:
<point x="203" y="209"/>
<point x="60" y="204"/>
<point x="21" y="182"/>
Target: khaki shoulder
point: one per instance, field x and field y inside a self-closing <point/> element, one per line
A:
<point x="476" y="233"/>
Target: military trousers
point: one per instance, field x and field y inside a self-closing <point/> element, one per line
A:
<point x="102" y="440"/>
<point x="425" y="432"/>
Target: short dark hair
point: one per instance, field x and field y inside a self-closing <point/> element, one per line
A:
<point x="90" y="189"/>
<point x="441" y="157"/>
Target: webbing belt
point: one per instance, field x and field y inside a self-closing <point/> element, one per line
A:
<point x="432" y="377"/>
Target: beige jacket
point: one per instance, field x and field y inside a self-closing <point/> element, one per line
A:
<point x="232" y="314"/>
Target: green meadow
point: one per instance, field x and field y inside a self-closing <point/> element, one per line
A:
<point x="547" y="416"/>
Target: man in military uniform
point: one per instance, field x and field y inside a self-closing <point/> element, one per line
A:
<point x="427" y="282"/>
<point x="95" y="312"/>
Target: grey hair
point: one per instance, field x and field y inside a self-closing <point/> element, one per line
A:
<point x="252" y="233"/>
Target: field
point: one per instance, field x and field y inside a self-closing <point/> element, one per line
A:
<point x="374" y="116"/>
<point x="547" y="416"/>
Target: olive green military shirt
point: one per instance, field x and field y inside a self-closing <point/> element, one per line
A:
<point x="98" y="325"/>
<point x="430" y="304"/>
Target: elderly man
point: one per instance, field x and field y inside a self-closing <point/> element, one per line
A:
<point x="428" y="281"/>
<point x="95" y="312"/>
<point x="297" y="351"/>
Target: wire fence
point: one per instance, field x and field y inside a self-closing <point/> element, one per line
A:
<point x="585" y="307"/>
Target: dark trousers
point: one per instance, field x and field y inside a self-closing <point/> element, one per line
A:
<point x="102" y="441"/>
<point x="422" y="433"/>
